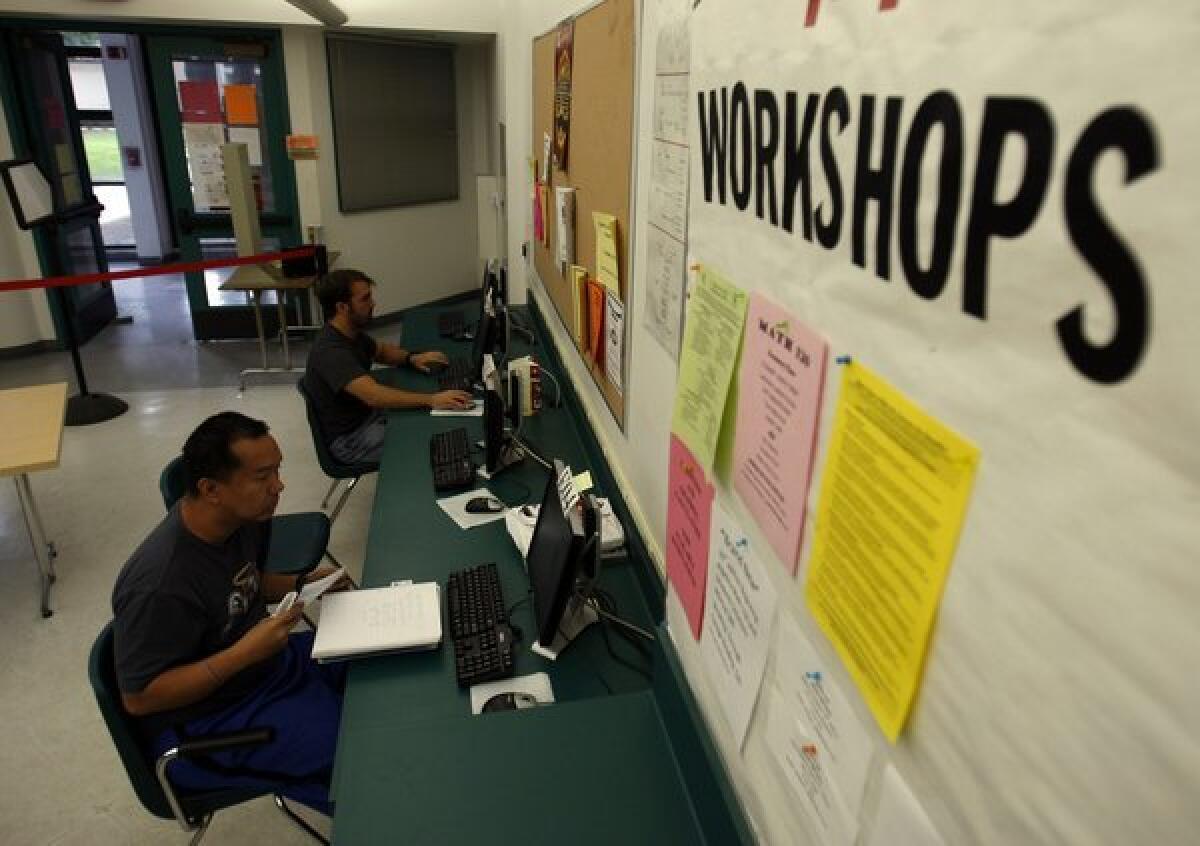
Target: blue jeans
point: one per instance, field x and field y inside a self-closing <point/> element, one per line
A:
<point x="302" y="702"/>
<point x="365" y="444"/>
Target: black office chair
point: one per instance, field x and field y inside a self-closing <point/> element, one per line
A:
<point x="298" y="541"/>
<point x="334" y="469"/>
<point x="192" y="810"/>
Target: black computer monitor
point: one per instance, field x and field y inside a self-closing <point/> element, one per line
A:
<point x="560" y="554"/>
<point x="494" y="439"/>
<point x="516" y="400"/>
<point x="484" y="342"/>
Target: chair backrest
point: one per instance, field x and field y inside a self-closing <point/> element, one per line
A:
<point x="170" y="482"/>
<point x="103" y="675"/>
<point x="333" y="468"/>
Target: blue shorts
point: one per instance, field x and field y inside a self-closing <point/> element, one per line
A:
<point x="302" y="702"/>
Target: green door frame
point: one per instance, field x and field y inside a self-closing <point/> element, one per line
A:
<point x="283" y="172"/>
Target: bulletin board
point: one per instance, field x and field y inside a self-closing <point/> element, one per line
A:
<point x="600" y="155"/>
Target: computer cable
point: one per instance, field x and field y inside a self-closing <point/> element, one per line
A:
<point x="531" y="452"/>
<point x="557" y="388"/>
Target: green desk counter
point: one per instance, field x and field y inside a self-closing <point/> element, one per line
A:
<point x="415" y="767"/>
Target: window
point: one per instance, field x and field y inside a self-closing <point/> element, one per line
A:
<point x="394" y="122"/>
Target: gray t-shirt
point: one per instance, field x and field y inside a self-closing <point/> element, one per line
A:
<point x="180" y="599"/>
<point x="334" y="362"/>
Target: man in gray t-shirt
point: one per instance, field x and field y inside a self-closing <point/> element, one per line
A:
<point x="196" y="652"/>
<point x="348" y="401"/>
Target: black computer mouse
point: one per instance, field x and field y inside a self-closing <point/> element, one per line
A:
<point x="509" y="702"/>
<point x="484" y="505"/>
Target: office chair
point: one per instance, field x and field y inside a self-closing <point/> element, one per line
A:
<point x="334" y="469"/>
<point x="194" y="810"/>
<point x="298" y="541"/>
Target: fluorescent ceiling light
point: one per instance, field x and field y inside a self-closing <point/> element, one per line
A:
<point x="322" y="10"/>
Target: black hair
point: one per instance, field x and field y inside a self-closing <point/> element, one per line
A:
<point x="334" y="287"/>
<point x="208" y="451"/>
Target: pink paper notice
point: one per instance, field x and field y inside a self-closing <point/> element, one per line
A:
<point x="689" y="514"/>
<point x="781" y="380"/>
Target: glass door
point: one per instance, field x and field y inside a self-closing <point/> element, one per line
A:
<point x="210" y="92"/>
<point x="51" y="125"/>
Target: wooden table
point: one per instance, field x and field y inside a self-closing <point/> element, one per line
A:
<point x="32" y="422"/>
<point x="254" y="279"/>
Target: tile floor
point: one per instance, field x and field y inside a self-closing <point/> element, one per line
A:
<point x="62" y="780"/>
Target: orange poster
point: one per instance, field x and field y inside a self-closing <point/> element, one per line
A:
<point x="241" y="105"/>
<point x="595" y="347"/>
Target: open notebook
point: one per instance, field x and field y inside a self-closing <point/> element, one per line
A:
<point x="398" y="618"/>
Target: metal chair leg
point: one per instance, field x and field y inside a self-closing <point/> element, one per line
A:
<point x="342" y="500"/>
<point x="337" y="563"/>
<point x="199" y="835"/>
<point x="291" y="815"/>
<point x="332" y="487"/>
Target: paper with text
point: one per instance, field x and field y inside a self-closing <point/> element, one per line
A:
<point x="739" y="616"/>
<point x="689" y="514"/>
<point x="893" y="498"/>
<point x="780" y="383"/>
<point x="712" y="336"/>
<point x="608" y="268"/>
<point x="614" y="348"/>
<point x="811" y="696"/>
<point x="798" y="756"/>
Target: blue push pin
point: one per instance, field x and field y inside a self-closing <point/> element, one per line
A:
<point x="844" y="359"/>
<point x="813" y="676"/>
<point x="741" y="542"/>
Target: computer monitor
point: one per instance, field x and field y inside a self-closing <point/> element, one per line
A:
<point x="484" y="341"/>
<point x="494" y="440"/>
<point x="561" y="556"/>
<point x="516" y="400"/>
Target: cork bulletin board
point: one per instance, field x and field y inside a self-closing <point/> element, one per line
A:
<point x="600" y="160"/>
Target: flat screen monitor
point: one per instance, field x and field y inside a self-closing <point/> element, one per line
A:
<point x="484" y="341"/>
<point x="553" y="560"/>
<point x="493" y="430"/>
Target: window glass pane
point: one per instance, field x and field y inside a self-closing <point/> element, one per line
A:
<point x="87" y="81"/>
<point x="103" y="152"/>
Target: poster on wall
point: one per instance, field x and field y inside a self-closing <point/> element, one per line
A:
<point x="564" y="50"/>
<point x="992" y="206"/>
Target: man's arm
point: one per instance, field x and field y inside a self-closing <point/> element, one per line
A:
<point x="375" y="395"/>
<point x="396" y="356"/>
<point x="188" y="683"/>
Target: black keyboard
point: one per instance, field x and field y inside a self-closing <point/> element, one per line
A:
<point x="449" y="447"/>
<point x="483" y="640"/>
<point x="450" y="324"/>
<point x="450" y="460"/>
<point x="457" y="375"/>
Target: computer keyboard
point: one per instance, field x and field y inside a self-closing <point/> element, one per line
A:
<point x="457" y="375"/>
<point x="478" y="624"/>
<point x="450" y="324"/>
<point x="450" y="460"/>
<point x="450" y="446"/>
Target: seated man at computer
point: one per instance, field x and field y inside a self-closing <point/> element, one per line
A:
<point x="348" y="401"/>
<point x="196" y="652"/>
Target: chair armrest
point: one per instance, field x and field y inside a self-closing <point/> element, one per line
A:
<point x="211" y="743"/>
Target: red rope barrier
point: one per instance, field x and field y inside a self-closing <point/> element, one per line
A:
<point x="160" y="270"/>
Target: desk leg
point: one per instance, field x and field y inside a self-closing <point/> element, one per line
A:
<point x="43" y="550"/>
<point x="283" y="327"/>
<point x="258" y="324"/>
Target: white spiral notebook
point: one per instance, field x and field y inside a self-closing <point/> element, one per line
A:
<point x="375" y="621"/>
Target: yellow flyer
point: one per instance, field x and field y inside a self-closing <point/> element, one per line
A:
<point x="893" y="497"/>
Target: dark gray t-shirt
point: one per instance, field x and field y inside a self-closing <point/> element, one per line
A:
<point x="334" y="362"/>
<point x="180" y="599"/>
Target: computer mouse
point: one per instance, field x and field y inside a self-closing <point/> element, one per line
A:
<point x="509" y="702"/>
<point x="484" y="505"/>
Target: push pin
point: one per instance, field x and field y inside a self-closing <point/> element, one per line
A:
<point x="844" y="359"/>
<point x="813" y="676"/>
<point x="810" y="750"/>
<point x="741" y="543"/>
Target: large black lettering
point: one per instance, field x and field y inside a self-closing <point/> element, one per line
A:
<point x="713" y="140"/>
<point x="740" y="154"/>
<point x="1125" y="130"/>
<point x="796" y="170"/>
<point x="766" y="130"/>
<point x="828" y="232"/>
<point x="988" y="217"/>
<point x="877" y="185"/>
<point x="939" y="109"/>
